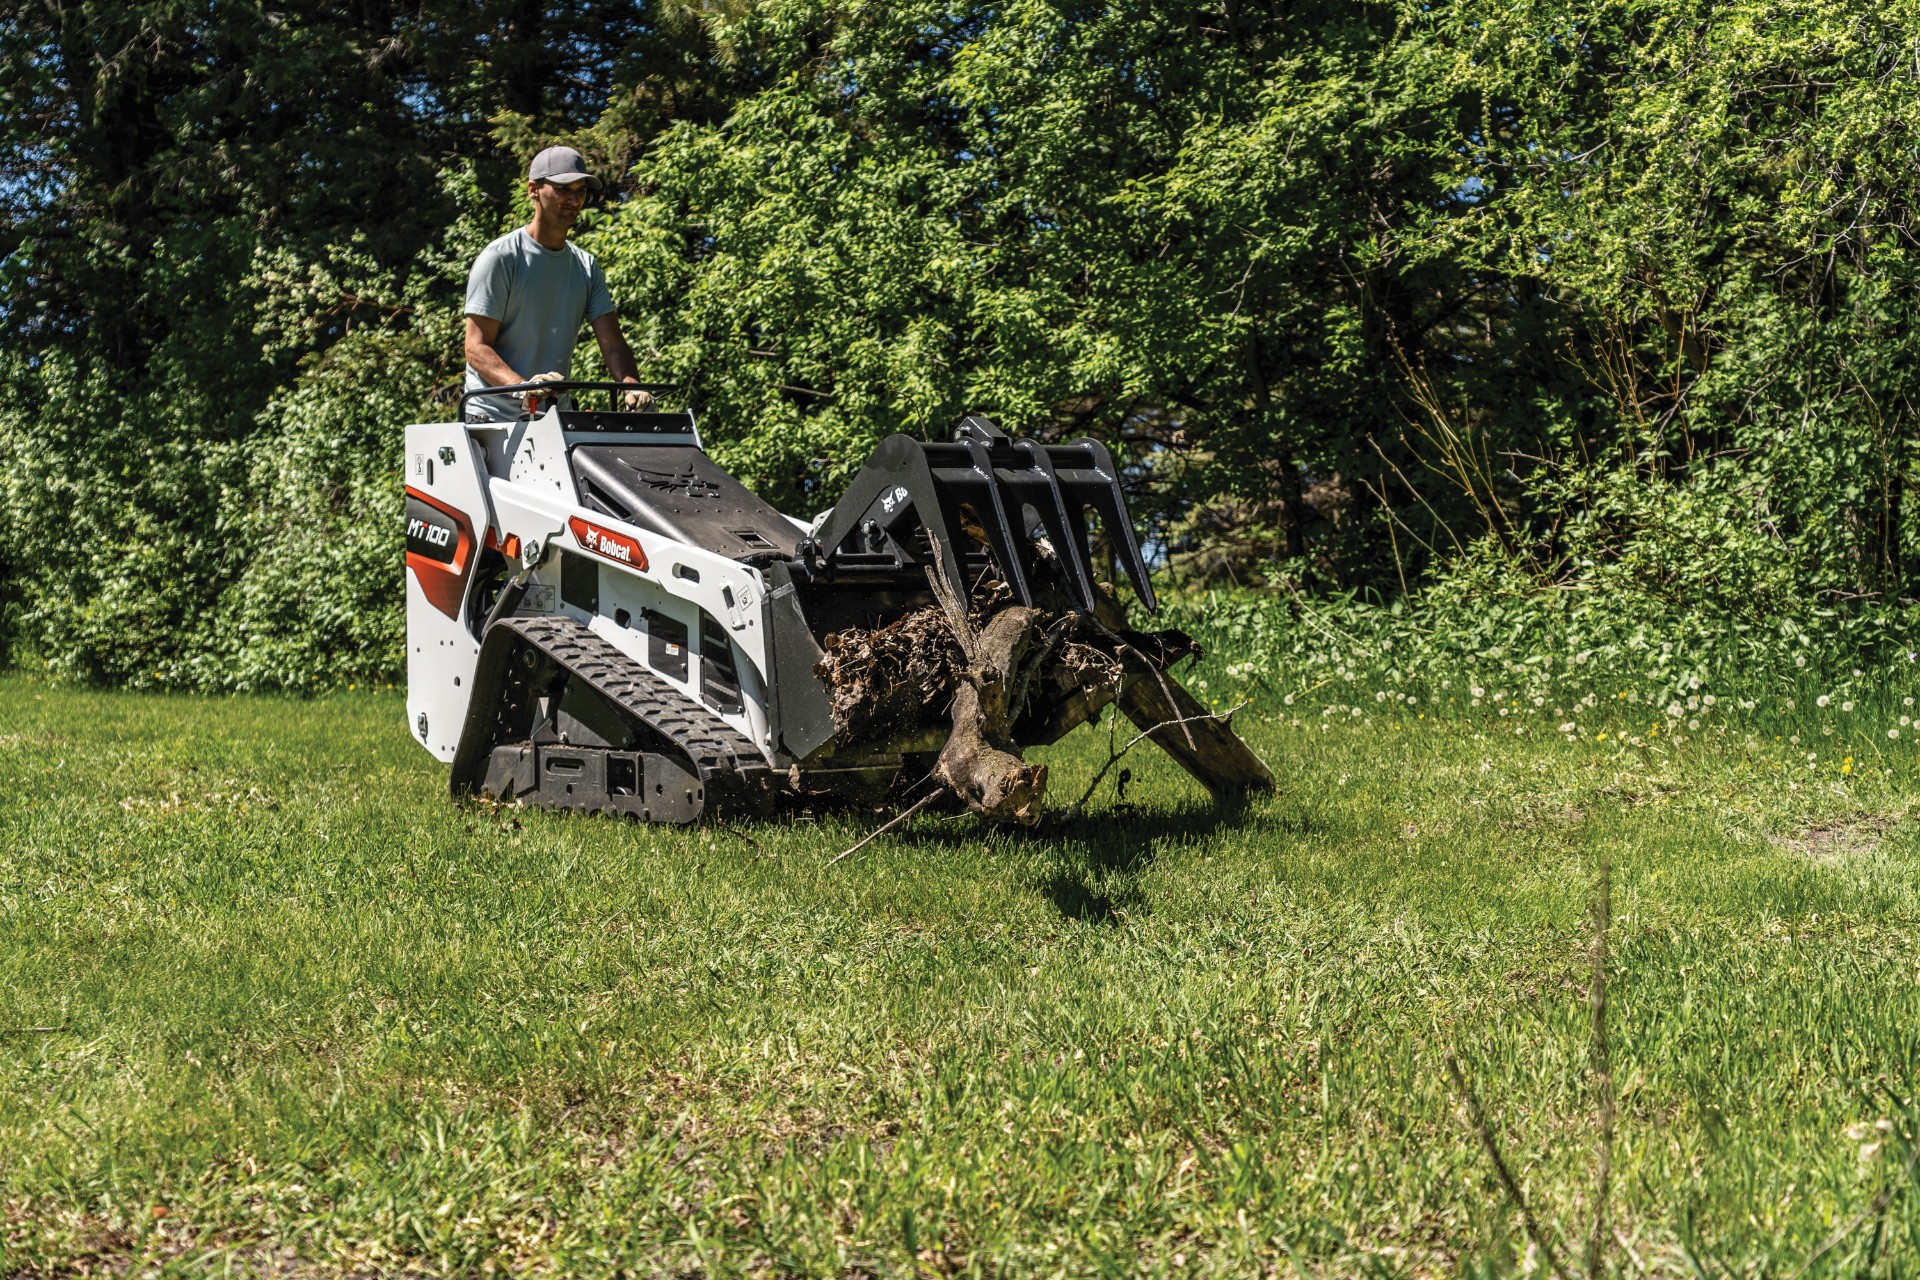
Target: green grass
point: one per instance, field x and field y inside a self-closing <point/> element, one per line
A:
<point x="269" y="1001"/>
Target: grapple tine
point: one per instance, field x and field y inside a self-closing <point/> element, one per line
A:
<point x="897" y="482"/>
<point x="908" y="485"/>
<point x="1111" y="502"/>
<point x="1006" y="538"/>
<point x="1065" y="528"/>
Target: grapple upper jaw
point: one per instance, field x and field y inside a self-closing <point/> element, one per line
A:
<point x="995" y="491"/>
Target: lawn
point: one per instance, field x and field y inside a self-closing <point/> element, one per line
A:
<point x="269" y="1001"/>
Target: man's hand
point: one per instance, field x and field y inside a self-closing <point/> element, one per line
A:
<point x="549" y="376"/>
<point x="635" y="401"/>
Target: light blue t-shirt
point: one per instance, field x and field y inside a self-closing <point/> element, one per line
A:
<point x="541" y="297"/>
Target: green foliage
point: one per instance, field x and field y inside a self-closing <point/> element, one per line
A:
<point x="163" y="557"/>
<point x="203" y="203"/>
<point x="1622" y="291"/>
<point x="1490" y="643"/>
<point x="317" y="601"/>
<point x="1074" y="220"/>
<point x="1718" y="206"/>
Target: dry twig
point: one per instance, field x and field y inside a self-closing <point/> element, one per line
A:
<point x="1478" y="1121"/>
<point x="1601" y="1056"/>
<point x="890" y="824"/>
<point x="1113" y="757"/>
<point x="732" y="830"/>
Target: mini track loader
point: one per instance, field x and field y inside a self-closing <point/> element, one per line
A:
<point x="601" y="619"/>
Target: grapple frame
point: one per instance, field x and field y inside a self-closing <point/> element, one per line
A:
<point x="918" y="505"/>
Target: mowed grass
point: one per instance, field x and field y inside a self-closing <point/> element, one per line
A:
<point x="270" y="1002"/>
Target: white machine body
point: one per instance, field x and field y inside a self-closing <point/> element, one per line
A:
<point x="485" y="500"/>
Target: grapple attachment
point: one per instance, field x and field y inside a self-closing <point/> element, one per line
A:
<point x="941" y="505"/>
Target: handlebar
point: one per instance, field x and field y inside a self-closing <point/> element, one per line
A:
<point x="612" y="389"/>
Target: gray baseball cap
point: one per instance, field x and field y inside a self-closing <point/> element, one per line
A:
<point x="562" y="165"/>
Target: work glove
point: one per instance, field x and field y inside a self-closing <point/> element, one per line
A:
<point x="538" y="377"/>
<point x="635" y="401"/>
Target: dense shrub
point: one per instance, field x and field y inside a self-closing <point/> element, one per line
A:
<point x="171" y="552"/>
<point x="1490" y="642"/>
<point x="1581" y="321"/>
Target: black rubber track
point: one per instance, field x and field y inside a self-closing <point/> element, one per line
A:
<point x="506" y="685"/>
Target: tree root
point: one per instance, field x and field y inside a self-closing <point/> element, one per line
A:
<point x="1023" y="675"/>
<point x="981" y="761"/>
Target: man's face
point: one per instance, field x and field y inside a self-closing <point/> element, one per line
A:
<point x="558" y="205"/>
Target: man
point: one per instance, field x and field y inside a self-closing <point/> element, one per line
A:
<point x="530" y="290"/>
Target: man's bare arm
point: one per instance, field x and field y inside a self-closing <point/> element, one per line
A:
<point x="482" y="333"/>
<point x="613" y="348"/>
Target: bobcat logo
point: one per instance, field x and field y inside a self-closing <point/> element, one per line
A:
<point x="605" y="542"/>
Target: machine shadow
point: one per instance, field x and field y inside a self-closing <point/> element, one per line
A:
<point x="1088" y="868"/>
